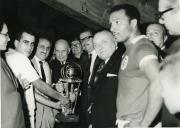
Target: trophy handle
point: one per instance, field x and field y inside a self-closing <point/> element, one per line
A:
<point x="76" y="99"/>
<point x="66" y="88"/>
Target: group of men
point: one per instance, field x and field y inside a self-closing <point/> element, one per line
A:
<point x="38" y="74"/>
<point x="121" y="85"/>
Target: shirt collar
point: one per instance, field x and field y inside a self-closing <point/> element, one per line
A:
<point x="63" y="62"/>
<point x="37" y="59"/>
<point x="93" y="52"/>
<point x="10" y="50"/>
<point x="106" y="60"/>
<point x="163" y="47"/>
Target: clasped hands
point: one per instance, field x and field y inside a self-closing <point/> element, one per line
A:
<point x="63" y="89"/>
<point x="58" y="105"/>
<point x="122" y="123"/>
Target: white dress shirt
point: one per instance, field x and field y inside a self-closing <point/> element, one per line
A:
<point x="94" y="55"/>
<point x="45" y="67"/>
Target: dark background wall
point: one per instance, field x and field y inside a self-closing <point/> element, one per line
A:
<point x="39" y="17"/>
<point x="53" y="17"/>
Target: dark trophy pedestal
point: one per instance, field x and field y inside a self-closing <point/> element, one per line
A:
<point x="67" y="118"/>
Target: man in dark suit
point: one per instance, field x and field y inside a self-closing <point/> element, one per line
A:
<point x="104" y="88"/>
<point x="62" y="57"/>
<point x="61" y="51"/>
<point x="90" y="62"/>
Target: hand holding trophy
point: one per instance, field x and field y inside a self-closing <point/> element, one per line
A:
<point x="59" y="87"/>
<point x="72" y="96"/>
<point x="69" y="86"/>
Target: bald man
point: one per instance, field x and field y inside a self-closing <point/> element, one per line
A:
<point x="61" y="51"/>
<point x="62" y="57"/>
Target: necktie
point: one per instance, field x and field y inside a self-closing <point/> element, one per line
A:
<point x="42" y="71"/>
<point x="88" y="74"/>
<point x="89" y="64"/>
<point x="101" y="66"/>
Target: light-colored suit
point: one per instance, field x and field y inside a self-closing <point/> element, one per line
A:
<point x="11" y="105"/>
<point x="45" y="117"/>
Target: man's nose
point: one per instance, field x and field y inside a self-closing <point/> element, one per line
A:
<point x="112" y="28"/>
<point x="29" y="46"/>
<point x="8" y="38"/>
<point x="45" y="50"/>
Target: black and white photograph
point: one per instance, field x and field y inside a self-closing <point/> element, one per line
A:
<point x="90" y="63"/>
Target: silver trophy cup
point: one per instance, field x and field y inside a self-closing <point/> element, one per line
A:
<point x="71" y="80"/>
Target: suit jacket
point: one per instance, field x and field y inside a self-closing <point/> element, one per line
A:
<point x="80" y="60"/>
<point x="85" y="99"/>
<point x="56" y="66"/>
<point x="104" y="92"/>
<point x="84" y="61"/>
<point x="45" y="117"/>
<point x="11" y="105"/>
<point x="86" y="76"/>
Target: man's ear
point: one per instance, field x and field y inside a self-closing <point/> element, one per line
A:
<point x="134" y="23"/>
<point x="16" y="43"/>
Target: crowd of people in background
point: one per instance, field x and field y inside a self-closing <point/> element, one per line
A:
<point x="128" y="79"/>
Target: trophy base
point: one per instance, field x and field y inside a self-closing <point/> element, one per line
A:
<point x="67" y="118"/>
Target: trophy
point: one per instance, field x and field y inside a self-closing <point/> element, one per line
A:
<point x="70" y="83"/>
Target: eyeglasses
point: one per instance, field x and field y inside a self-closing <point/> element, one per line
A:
<point x="5" y="34"/>
<point x="85" y="38"/>
<point x="160" y="14"/>
<point x="76" y="45"/>
<point x="43" y="47"/>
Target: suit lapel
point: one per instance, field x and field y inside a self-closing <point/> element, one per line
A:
<point x="106" y="68"/>
<point x="101" y="74"/>
<point x="34" y="64"/>
<point x="96" y="65"/>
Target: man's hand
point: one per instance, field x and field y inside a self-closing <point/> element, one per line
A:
<point x="122" y="123"/>
<point x="24" y="82"/>
<point x="90" y="126"/>
<point x="59" y="87"/>
<point x="57" y="105"/>
<point x="65" y="101"/>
